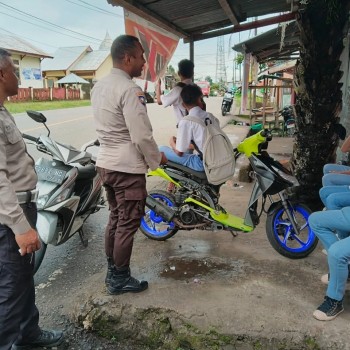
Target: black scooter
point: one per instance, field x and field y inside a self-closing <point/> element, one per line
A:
<point x="227" y="103"/>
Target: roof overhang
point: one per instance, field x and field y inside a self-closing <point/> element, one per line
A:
<point x="280" y="43"/>
<point x="198" y="19"/>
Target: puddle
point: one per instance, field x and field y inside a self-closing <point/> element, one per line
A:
<point x="184" y="269"/>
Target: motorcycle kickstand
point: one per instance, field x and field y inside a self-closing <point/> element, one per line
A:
<point x="83" y="238"/>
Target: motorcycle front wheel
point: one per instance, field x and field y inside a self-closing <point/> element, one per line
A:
<point x="223" y="110"/>
<point x="39" y="255"/>
<point x="154" y="226"/>
<point x="282" y="236"/>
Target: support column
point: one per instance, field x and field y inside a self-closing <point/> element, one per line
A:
<point x="245" y="82"/>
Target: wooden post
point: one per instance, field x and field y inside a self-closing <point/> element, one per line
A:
<point x="264" y="104"/>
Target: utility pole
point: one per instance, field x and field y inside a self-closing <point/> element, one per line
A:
<point x="220" y="75"/>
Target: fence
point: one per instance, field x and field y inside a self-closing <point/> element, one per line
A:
<point x="46" y="94"/>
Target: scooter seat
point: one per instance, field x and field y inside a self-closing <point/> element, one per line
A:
<point x="86" y="172"/>
<point x="198" y="174"/>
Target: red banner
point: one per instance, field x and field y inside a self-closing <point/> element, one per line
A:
<point x="159" y="45"/>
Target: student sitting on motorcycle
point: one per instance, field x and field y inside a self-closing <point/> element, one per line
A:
<point x="189" y="133"/>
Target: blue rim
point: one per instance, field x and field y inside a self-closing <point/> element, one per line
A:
<point x="157" y="220"/>
<point x="289" y="234"/>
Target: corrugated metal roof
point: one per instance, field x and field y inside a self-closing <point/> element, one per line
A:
<point x="191" y="19"/>
<point x="64" y="57"/>
<point x="15" y="44"/>
<point x="268" y="47"/>
<point x="91" y="61"/>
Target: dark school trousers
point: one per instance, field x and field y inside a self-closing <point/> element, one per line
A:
<point x="19" y="316"/>
<point x="126" y="194"/>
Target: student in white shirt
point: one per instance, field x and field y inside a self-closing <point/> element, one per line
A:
<point x="189" y="132"/>
<point x="173" y="98"/>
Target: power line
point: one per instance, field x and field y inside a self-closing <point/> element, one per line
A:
<point x="38" y="25"/>
<point x="95" y="8"/>
<point x="50" y="23"/>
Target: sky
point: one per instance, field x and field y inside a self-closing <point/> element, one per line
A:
<point x="49" y="24"/>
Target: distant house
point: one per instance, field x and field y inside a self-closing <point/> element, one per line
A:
<point x="80" y="60"/>
<point x="27" y="59"/>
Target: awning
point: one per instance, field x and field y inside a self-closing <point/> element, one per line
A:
<point x="72" y="79"/>
<point x="268" y="46"/>
<point x="197" y="19"/>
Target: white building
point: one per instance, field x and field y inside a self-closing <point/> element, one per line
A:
<point x="27" y="59"/>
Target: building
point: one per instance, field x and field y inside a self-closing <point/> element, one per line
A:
<point x="81" y="60"/>
<point x="27" y="59"/>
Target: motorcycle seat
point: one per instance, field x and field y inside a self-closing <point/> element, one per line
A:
<point x="197" y="174"/>
<point x="86" y="172"/>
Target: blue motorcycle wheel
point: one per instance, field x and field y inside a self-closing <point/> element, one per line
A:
<point x="154" y="226"/>
<point x="282" y="236"/>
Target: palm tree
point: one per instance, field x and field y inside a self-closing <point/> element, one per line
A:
<point x="322" y="26"/>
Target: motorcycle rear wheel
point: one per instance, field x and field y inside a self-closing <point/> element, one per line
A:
<point x="39" y="256"/>
<point x="282" y="236"/>
<point x="154" y="226"/>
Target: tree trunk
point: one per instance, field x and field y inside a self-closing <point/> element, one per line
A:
<point x="322" y="26"/>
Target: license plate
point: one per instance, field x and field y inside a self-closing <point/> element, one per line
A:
<point x="289" y="126"/>
<point x="47" y="172"/>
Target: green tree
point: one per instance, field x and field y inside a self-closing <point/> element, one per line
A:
<point x="171" y="70"/>
<point x="239" y="58"/>
<point x="209" y="79"/>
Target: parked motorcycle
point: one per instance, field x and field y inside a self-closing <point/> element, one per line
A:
<point x="289" y="121"/>
<point x="70" y="190"/>
<point x="227" y="102"/>
<point x="195" y="203"/>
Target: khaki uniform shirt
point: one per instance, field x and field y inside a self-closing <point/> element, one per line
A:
<point x="17" y="174"/>
<point x="122" y="125"/>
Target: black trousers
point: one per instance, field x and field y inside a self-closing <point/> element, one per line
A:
<point x="19" y="316"/>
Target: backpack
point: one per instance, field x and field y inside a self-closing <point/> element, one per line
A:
<point x="218" y="158"/>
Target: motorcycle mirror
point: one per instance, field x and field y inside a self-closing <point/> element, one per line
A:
<point x="37" y="116"/>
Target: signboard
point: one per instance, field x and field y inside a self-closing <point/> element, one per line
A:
<point x="159" y="45"/>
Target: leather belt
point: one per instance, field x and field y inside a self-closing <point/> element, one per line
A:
<point x="27" y="197"/>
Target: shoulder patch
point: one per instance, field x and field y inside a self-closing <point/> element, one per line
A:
<point x="142" y="98"/>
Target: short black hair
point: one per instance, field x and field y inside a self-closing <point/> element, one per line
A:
<point x="190" y="94"/>
<point x="186" y="68"/>
<point x="123" y="44"/>
<point x="4" y="56"/>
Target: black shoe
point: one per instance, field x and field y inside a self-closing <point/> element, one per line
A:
<point x="122" y="282"/>
<point x="47" y="339"/>
<point x="110" y="271"/>
<point x="329" y="309"/>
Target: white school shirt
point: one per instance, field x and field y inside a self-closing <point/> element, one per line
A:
<point x="189" y="130"/>
<point x="173" y="98"/>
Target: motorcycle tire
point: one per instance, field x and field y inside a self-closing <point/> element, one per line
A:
<point x="154" y="226"/>
<point x="223" y="111"/>
<point x="282" y="236"/>
<point x="39" y="256"/>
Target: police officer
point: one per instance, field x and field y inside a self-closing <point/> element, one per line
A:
<point x="127" y="149"/>
<point x="19" y="240"/>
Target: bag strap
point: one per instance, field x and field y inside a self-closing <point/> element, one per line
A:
<point x="195" y="120"/>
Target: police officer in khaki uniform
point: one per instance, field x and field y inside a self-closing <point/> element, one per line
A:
<point x="127" y="150"/>
<point x="19" y="240"/>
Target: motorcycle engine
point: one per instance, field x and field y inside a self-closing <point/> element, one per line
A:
<point x="188" y="216"/>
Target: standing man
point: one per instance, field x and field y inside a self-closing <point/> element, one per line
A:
<point x="127" y="150"/>
<point x="19" y="240"/>
<point x="173" y="98"/>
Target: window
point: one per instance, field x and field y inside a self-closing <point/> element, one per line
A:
<point x="16" y="64"/>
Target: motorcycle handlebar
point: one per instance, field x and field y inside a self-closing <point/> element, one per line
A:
<point x="29" y="137"/>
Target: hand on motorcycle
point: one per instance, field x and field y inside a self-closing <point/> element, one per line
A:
<point x="28" y="242"/>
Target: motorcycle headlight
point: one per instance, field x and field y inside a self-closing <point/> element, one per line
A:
<point x="42" y="200"/>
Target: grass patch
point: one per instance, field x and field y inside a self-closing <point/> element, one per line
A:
<point x="21" y="107"/>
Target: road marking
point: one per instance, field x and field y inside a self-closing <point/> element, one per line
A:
<point x="54" y="124"/>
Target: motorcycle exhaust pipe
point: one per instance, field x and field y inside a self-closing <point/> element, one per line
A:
<point x="167" y="213"/>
